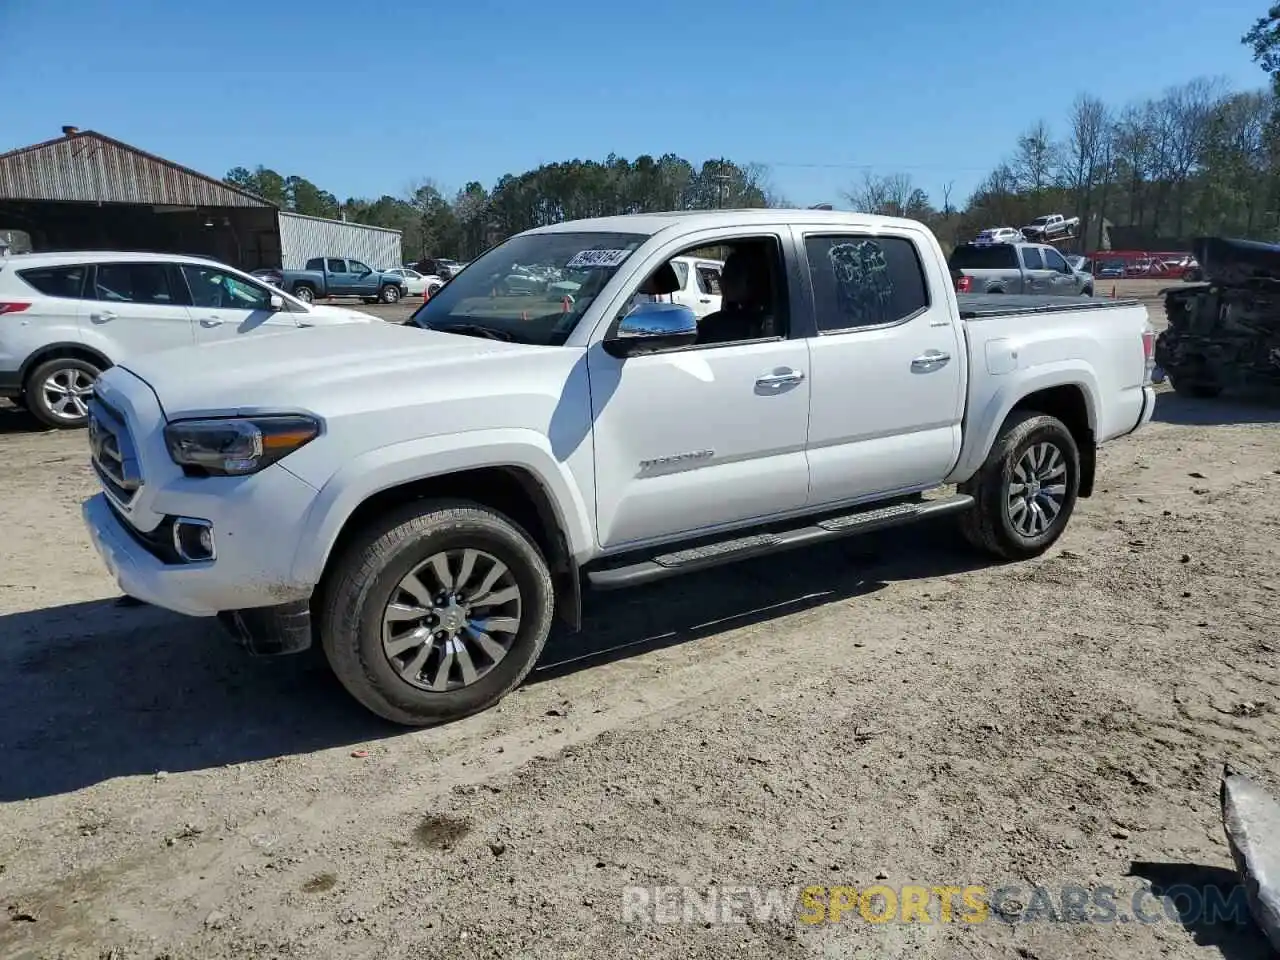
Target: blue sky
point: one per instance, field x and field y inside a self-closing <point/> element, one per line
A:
<point x="365" y="98"/>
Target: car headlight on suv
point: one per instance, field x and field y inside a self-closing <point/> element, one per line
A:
<point x="237" y="446"/>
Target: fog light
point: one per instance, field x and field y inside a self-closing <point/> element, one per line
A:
<point x="193" y="539"/>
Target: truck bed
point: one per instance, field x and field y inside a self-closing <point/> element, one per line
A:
<point x="980" y="306"/>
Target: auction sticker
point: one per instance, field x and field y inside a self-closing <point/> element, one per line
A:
<point x="598" y="258"/>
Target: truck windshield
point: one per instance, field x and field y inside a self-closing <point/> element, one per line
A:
<point x="530" y="289"/>
<point x="996" y="256"/>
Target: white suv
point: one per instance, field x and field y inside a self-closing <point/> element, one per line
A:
<point x="66" y="317"/>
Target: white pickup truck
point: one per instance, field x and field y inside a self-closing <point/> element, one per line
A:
<point x="422" y="498"/>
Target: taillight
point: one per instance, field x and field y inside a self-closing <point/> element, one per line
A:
<point x="1148" y="355"/>
<point x="964" y="284"/>
<point x="12" y="306"/>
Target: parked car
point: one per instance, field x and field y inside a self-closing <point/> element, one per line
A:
<point x="1052" y="226"/>
<point x="427" y="533"/>
<point x="342" y="277"/>
<point x="699" y="288"/>
<point x="1032" y="268"/>
<point x="66" y="317"/>
<point x="271" y="275"/>
<point x="1000" y="235"/>
<point x="1111" y="270"/>
<point x="415" y="283"/>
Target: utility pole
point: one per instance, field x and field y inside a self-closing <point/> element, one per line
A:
<point x="722" y="182"/>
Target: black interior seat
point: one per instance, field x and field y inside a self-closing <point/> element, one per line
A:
<point x="746" y="286"/>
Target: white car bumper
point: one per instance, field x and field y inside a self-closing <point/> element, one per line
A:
<point x="254" y="538"/>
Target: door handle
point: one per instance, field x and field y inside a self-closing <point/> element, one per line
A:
<point x="102" y="316"/>
<point x="210" y="321"/>
<point x="930" y="360"/>
<point x="779" y="377"/>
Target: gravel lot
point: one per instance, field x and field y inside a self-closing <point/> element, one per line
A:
<point x="884" y="708"/>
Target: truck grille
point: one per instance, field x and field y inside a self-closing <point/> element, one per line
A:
<point x="112" y="453"/>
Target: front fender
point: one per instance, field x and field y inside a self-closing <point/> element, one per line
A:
<point x="419" y="459"/>
<point x="985" y="420"/>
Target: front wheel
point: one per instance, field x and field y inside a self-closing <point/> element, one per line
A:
<point x="436" y="612"/>
<point x="1025" y="492"/>
<point x="390" y="294"/>
<point x="57" y="392"/>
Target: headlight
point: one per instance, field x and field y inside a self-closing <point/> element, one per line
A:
<point x="237" y="446"/>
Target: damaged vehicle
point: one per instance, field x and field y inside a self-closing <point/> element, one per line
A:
<point x="1225" y="333"/>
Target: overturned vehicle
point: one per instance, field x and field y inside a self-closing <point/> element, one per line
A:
<point x="1225" y="333"/>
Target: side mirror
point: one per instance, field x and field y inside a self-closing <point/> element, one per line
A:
<point x="277" y="302"/>
<point x="651" y="327"/>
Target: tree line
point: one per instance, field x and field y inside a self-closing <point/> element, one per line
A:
<point x="1200" y="159"/>
<point x="465" y="223"/>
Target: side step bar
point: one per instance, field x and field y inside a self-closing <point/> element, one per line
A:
<point x="721" y="552"/>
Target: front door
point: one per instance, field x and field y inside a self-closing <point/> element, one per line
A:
<point x="363" y="280"/>
<point x="138" y="307"/>
<point x="226" y="306"/>
<point x="1063" y="281"/>
<point x="888" y="382"/>
<point x="701" y="437"/>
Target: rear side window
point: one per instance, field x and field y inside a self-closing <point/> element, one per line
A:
<point x="682" y="272"/>
<point x="709" y="281"/>
<point x="134" y="283"/>
<point x="1031" y="258"/>
<point x="65" y="282"/>
<point x="865" y="281"/>
<point x="997" y="257"/>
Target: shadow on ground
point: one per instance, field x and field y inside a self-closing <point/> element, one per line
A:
<point x="1222" y="411"/>
<point x="91" y="691"/>
<point x="14" y="419"/>
<point x="1209" y="903"/>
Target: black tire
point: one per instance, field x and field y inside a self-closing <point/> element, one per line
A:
<point x="305" y="292"/>
<point x="1088" y="291"/>
<point x="38" y="400"/>
<point x="989" y="526"/>
<point x="389" y="294"/>
<point x="366" y="576"/>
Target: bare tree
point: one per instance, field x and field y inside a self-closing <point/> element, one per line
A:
<point x="892" y="195"/>
<point x="1090" y="128"/>
<point x="1036" y="159"/>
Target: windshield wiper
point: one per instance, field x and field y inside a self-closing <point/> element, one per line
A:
<point x="475" y="330"/>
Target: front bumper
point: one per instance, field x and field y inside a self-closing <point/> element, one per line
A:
<point x="251" y="569"/>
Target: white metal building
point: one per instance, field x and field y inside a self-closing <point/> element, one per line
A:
<point x="302" y="238"/>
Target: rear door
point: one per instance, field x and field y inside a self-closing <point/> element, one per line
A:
<point x="225" y="306"/>
<point x="338" y="279"/>
<point x="1035" y="277"/>
<point x="138" y="308"/>
<point x="887" y="390"/>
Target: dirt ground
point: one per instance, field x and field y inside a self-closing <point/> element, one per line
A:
<point x="889" y="710"/>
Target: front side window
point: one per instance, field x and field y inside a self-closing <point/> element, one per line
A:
<point x="861" y="281"/>
<point x="533" y="288"/>
<point x="219" y="290"/>
<point x="1053" y="260"/>
<point x="65" y="282"/>
<point x="355" y="266"/>
<point x="134" y="283"/>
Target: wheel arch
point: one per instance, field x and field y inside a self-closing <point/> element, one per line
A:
<point x="513" y="490"/>
<point x="1070" y="394"/>
<point x="65" y="349"/>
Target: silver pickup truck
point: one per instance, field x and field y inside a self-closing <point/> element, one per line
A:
<point x="1029" y="268"/>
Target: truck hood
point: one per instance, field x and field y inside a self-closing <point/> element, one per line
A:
<point x="324" y="369"/>
<point x="319" y="314"/>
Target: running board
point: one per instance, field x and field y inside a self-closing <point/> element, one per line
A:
<point x="721" y="552"/>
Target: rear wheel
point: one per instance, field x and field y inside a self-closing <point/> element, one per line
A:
<point x="1026" y="490"/>
<point x="436" y="612"/>
<point x="304" y="292"/>
<point x="57" y="392"/>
